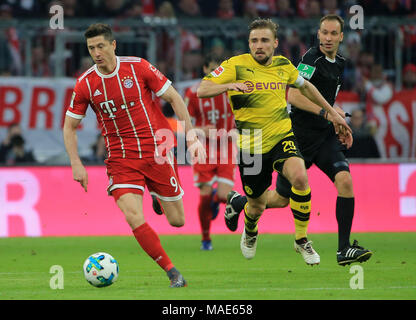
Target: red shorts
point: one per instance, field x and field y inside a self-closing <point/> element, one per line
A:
<point x="132" y="175"/>
<point x="220" y="167"/>
<point x="211" y="173"/>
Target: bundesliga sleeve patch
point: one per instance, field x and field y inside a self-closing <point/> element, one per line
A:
<point x="217" y="72"/>
<point x="306" y="71"/>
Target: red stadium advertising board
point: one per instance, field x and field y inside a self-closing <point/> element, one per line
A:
<point x="45" y="201"/>
<point x="396" y="122"/>
<point x="39" y="106"/>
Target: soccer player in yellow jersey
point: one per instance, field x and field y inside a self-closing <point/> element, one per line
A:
<point x="256" y="84"/>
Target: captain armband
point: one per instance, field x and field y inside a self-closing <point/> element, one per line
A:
<point x="300" y="81"/>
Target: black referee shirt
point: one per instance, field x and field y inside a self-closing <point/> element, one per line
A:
<point x="325" y="74"/>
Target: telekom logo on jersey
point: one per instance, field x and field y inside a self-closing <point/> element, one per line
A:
<point x="109" y="107"/>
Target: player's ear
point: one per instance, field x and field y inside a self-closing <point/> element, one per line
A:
<point x="114" y="44"/>
<point x="342" y="37"/>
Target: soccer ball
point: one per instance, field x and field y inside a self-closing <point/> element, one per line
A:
<point x="101" y="269"/>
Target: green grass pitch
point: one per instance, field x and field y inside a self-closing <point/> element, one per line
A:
<point x="277" y="271"/>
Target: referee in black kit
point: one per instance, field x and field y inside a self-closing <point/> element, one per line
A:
<point x="319" y="144"/>
<point x="316" y="137"/>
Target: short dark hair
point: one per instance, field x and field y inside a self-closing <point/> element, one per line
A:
<point x="99" y="29"/>
<point x="17" y="141"/>
<point x="210" y="57"/>
<point x="260" y="23"/>
<point x="332" y="17"/>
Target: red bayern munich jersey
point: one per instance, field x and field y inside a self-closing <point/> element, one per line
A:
<point x="214" y="111"/>
<point x="123" y="104"/>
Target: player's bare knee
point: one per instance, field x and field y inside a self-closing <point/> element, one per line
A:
<point x="282" y="202"/>
<point x="257" y="209"/>
<point x="133" y="218"/>
<point x="133" y="225"/>
<point x="300" y="181"/>
<point x="174" y="212"/>
<point x="343" y="183"/>
<point x="177" y="221"/>
<point x="275" y="200"/>
<point x="128" y="213"/>
<point x="205" y="189"/>
<point x="222" y="197"/>
<point x="222" y="191"/>
<point x="278" y="202"/>
<point x="176" y="217"/>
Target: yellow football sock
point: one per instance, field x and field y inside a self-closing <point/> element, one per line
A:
<point x="251" y="224"/>
<point x="300" y="204"/>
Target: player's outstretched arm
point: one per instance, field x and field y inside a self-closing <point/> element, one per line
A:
<point x="310" y="92"/>
<point x="208" y="89"/>
<point x="71" y="145"/>
<point x="296" y="98"/>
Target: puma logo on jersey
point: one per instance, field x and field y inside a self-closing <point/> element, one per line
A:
<point x="97" y="93"/>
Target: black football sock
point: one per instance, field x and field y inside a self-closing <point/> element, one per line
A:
<point x="239" y="203"/>
<point x="345" y="214"/>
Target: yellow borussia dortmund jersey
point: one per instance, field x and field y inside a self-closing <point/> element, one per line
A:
<point x="263" y="106"/>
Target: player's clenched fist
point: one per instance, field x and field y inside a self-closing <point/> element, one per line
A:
<point x="237" y="86"/>
<point x="197" y="151"/>
<point x="346" y="139"/>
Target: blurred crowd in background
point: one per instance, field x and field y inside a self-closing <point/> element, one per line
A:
<point x="222" y="9"/>
<point x="293" y="43"/>
<point x="365" y="74"/>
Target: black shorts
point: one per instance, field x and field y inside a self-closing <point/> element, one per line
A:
<point x="256" y="170"/>
<point x="329" y="157"/>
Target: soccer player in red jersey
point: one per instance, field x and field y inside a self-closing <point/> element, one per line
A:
<point x="119" y="90"/>
<point x="214" y="117"/>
